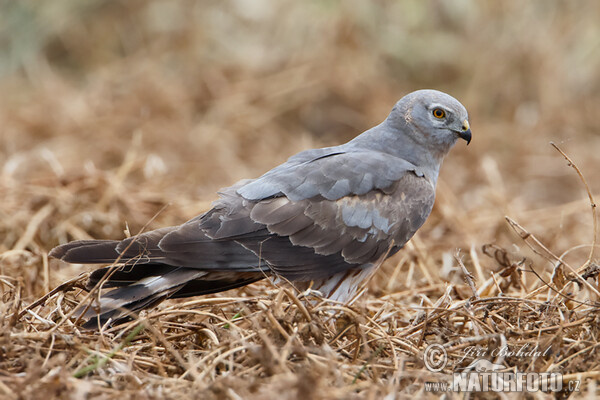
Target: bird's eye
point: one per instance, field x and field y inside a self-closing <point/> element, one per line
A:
<point x="439" y="113"/>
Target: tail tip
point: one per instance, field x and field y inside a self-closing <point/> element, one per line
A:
<point x="57" y="252"/>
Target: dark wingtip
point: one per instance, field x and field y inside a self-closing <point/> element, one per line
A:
<point x="86" y="251"/>
<point x="58" y="252"/>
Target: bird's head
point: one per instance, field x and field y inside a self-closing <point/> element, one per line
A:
<point x="434" y="120"/>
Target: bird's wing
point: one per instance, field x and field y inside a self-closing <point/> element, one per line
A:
<point x="302" y="223"/>
<point x="360" y="228"/>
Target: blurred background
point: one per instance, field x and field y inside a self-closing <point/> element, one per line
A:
<point x="112" y="110"/>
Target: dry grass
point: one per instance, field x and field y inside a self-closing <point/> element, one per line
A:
<point x="118" y="109"/>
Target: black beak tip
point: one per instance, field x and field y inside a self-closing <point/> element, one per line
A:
<point x="466" y="136"/>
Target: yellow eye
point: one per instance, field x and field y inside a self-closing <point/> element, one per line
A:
<point x="439" y="113"/>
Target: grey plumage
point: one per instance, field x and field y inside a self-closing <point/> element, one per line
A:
<point x="326" y="216"/>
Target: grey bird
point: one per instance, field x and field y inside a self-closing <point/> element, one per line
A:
<point x="324" y="219"/>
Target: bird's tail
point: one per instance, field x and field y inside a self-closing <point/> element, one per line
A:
<point x="141" y="277"/>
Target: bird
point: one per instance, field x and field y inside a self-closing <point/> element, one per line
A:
<point x="323" y="220"/>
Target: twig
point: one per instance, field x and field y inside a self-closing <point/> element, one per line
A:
<point x="468" y="275"/>
<point x="592" y="203"/>
<point x="543" y="251"/>
<point x="558" y="292"/>
<point x="298" y="304"/>
<point x="32" y="226"/>
<point x="63" y="287"/>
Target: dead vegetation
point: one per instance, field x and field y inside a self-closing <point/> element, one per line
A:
<point x="121" y="115"/>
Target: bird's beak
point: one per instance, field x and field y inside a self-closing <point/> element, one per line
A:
<point x="465" y="133"/>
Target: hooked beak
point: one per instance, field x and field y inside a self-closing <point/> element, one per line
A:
<point x="465" y="133"/>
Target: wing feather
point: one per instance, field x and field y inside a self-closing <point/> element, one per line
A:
<point x="332" y="177"/>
